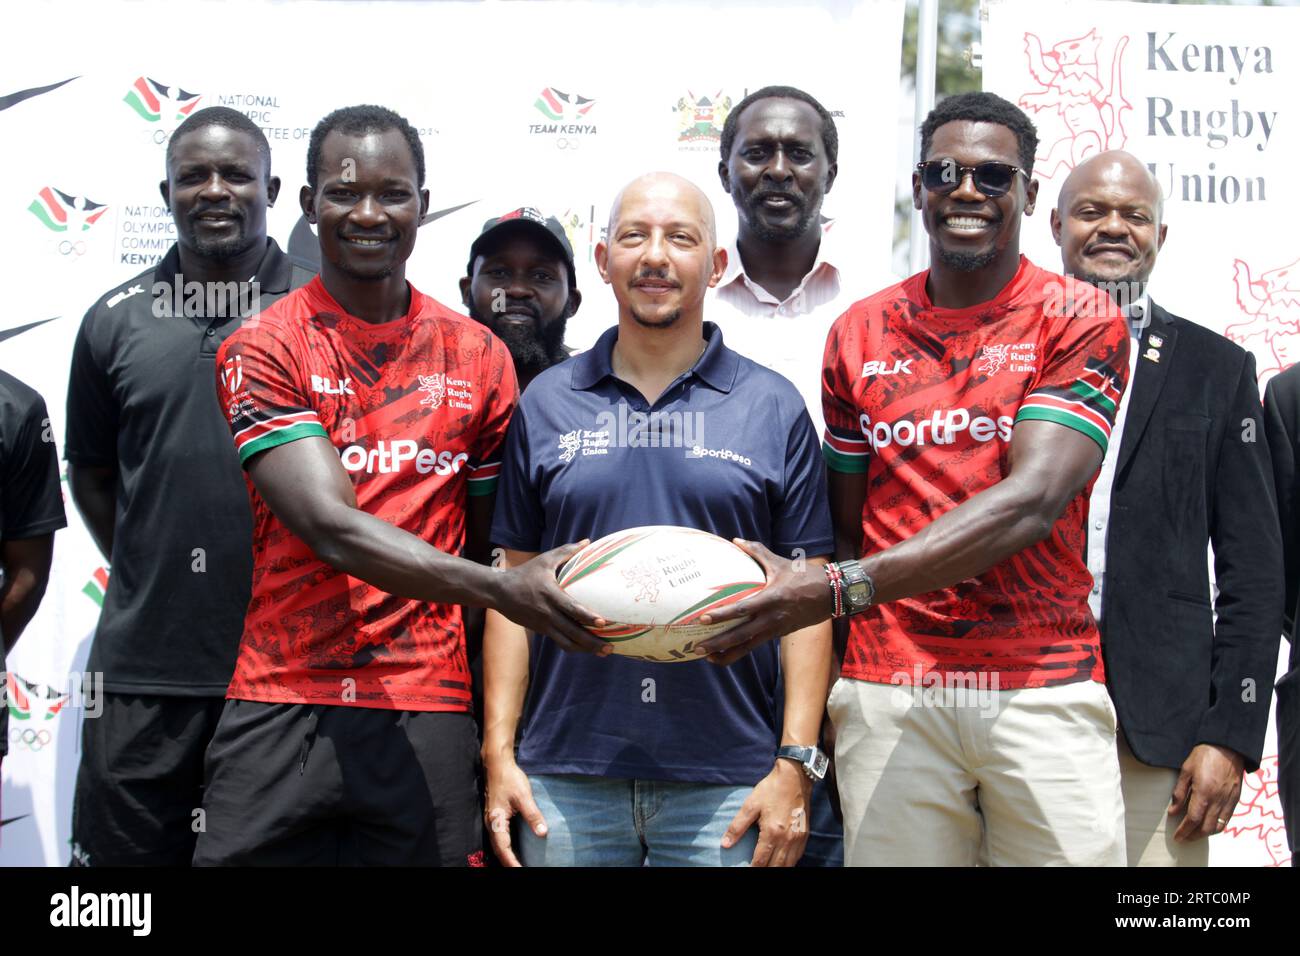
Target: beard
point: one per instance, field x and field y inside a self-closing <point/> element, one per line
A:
<point x="534" y="347"/>
<point x="665" y="323"/>
<point x="221" y="249"/>
<point x="772" y="233"/>
<point x="967" y="261"/>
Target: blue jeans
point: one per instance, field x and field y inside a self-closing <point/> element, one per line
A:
<point x="602" y="821"/>
<point x="825" y="835"/>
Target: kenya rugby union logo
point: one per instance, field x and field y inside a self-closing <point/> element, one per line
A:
<point x="1270" y="300"/>
<point x="1079" y="104"/>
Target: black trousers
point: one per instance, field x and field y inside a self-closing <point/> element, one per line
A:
<point x="140" y="782"/>
<point x="324" y="785"/>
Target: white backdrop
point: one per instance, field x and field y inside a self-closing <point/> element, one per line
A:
<point x="1205" y="95"/>
<point x="554" y="105"/>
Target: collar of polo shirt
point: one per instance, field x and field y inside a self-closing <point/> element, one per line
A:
<point x="716" y="368"/>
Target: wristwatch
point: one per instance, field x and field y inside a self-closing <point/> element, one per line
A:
<point x="851" y="586"/>
<point x="813" y="761"/>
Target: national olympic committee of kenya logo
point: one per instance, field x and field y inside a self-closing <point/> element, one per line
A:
<point x="66" y="214"/>
<point x="160" y="105"/>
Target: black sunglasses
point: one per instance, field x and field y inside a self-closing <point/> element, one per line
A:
<point x="991" y="179"/>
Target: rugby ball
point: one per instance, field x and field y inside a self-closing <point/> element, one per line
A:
<point x="652" y="584"/>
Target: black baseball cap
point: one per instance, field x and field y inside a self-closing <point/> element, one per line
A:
<point x="524" y="218"/>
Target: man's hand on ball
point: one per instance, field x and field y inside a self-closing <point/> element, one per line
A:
<point x="797" y="596"/>
<point x="532" y="599"/>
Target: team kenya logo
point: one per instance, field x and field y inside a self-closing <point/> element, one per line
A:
<point x="941" y="428"/>
<point x="566" y="113"/>
<point x="1077" y="116"/>
<point x="147" y="97"/>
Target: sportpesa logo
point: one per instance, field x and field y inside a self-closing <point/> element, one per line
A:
<point x="941" y="428"/>
<point x="389" y="457"/>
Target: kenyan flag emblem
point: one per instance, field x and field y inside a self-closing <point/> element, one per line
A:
<point x="96" y="586"/>
<point x="147" y="97"/>
<point x="554" y="105"/>
<point x="61" y="212"/>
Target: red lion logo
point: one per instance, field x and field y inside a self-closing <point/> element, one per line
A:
<point x="1077" y="117"/>
<point x="1272" y="303"/>
<point x="1260" y="812"/>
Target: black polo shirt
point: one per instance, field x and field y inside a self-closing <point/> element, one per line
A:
<point x="142" y="399"/>
<point x="31" y="502"/>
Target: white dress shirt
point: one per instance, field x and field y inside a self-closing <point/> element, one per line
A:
<point x="1099" y="501"/>
<point x="789" y="335"/>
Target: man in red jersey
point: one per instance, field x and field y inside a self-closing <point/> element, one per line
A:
<point x="967" y="410"/>
<point x="369" y="419"/>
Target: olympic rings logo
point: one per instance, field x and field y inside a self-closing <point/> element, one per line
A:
<point x="33" y="740"/>
<point x="563" y="143"/>
<point x="67" y="248"/>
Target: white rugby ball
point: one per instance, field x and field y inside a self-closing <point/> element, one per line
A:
<point x="652" y="584"/>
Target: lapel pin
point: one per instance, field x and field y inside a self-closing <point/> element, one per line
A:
<point x="1152" y="354"/>
<point x="1156" y="340"/>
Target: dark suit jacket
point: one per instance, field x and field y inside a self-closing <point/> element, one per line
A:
<point x="1193" y="468"/>
<point x="1282" y="424"/>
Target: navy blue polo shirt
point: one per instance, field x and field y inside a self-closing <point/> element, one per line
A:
<point x="728" y="448"/>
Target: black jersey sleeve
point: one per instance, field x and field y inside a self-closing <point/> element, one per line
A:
<point x="92" y="408"/>
<point x="31" y="501"/>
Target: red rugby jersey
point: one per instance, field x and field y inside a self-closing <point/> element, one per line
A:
<point x="417" y="409"/>
<point x="924" y="400"/>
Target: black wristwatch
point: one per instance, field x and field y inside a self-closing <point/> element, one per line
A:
<point x="858" y="588"/>
<point x="813" y="761"/>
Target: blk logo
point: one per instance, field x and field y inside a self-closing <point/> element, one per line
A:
<point x="327" y="387"/>
<point x="900" y="367"/>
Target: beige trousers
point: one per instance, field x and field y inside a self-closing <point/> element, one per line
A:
<point x="1148" y="829"/>
<point x="1008" y="778"/>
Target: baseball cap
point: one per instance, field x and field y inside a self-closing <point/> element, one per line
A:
<point x="525" y="217"/>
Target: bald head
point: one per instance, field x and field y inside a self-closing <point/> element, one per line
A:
<point x="1114" y="166"/>
<point x="668" y="189"/>
<point x="661" y="253"/>
<point x="1108" y="223"/>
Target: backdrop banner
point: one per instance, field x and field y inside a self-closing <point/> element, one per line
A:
<point x="1205" y="96"/>
<point x="553" y="105"/>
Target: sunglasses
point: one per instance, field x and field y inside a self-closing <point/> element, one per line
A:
<point x="991" y="179"/>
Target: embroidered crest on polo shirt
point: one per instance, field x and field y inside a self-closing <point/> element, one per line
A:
<point x="582" y="441"/>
